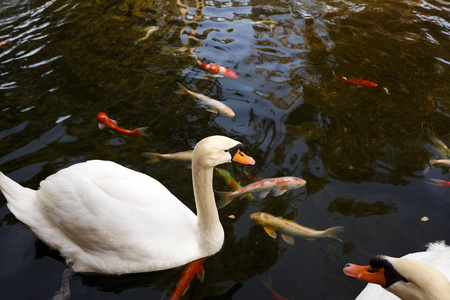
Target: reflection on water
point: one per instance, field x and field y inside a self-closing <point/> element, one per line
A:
<point x="362" y="151"/>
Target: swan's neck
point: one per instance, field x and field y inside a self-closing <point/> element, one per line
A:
<point x="210" y="230"/>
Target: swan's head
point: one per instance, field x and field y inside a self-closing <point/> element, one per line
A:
<point x="216" y="150"/>
<point x="406" y="278"/>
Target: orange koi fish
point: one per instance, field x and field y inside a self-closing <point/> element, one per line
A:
<point x="105" y="122"/>
<point x="219" y="70"/>
<point x="355" y="82"/>
<point x="186" y="277"/>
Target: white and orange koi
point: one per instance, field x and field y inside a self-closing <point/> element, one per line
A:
<point x="181" y="156"/>
<point x="105" y="122"/>
<point x="288" y="228"/>
<point x="218" y="70"/>
<point x="213" y="105"/>
<point x="186" y="277"/>
<point x="278" y="186"/>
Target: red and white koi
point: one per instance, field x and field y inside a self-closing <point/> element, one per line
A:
<point x="278" y="186"/>
<point x="355" y="82"/>
<point x="105" y="122"/>
<point x="289" y="228"/>
<point x="213" y="105"/>
<point x="439" y="182"/>
<point x="181" y="156"/>
<point x="218" y="70"/>
<point x="186" y="277"/>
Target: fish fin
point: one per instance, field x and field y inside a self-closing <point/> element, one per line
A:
<point x="114" y="121"/>
<point x="183" y="90"/>
<point x="263" y="195"/>
<point x="437" y="182"/>
<point x="201" y="274"/>
<point x="153" y="157"/>
<point x="333" y="231"/>
<point x="280" y="191"/>
<point x="427" y="169"/>
<point x="288" y="239"/>
<point x="224" y="199"/>
<point x="249" y="196"/>
<point x="212" y="110"/>
<point x="185" y="290"/>
<point x="272" y="233"/>
<point x="142" y="130"/>
<point x="101" y="126"/>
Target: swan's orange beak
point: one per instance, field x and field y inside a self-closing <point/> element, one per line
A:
<point x="243" y="158"/>
<point x="365" y="273"/>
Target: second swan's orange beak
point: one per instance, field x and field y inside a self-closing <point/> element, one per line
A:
<point x="243" y="158"/>
<point x="365" y="273"/>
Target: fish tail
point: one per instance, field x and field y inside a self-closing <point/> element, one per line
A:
<point x="153" y="157"/>
<point x="333" y="231"/>
<point x="183" y="90"/>
<point x="224" y="199"/>
<point x="142" y="130"/>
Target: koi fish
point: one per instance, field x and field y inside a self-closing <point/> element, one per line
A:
<point x="289" y="228"/>
<point x="106" y="122"/>
<point x="250" y="176"/>
<point x="268" y="284"/>
<point x="186" y="277"/>
<point x="439" y="182"/>
<point x="230" y="181"/>
<point x="264" y="22"/>
<point x="263" y="187"/>
<point x="148" y="32"/>
<point x="219" y="70"/>
<point x="355" y="82"/>
<point x="182" y="156"/>
<point x="213" y="105"/>
<point x="440" y="163"/>
<point x="1" y="44"/>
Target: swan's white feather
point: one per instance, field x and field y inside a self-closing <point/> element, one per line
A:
<point x="437" y="256"/>
<point x="126" y="202"/>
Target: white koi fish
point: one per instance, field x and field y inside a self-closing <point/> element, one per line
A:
<point x="278" y="186"/>
<point x="289" y="228"/>
<point x="440" y="163"/>
<point x="214" y="106"/>
<point x="182" y="156"/>
<point x="148" y="32"/>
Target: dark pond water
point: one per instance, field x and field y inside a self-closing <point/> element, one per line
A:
<point x="363" y="151"/>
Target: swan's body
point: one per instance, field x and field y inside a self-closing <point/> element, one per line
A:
<point x="420" y="275"/>
<point x="105" y="218"/>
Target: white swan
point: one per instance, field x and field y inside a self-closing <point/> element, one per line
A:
<point x="420" y="275"/>
<point x="105" y="218"/>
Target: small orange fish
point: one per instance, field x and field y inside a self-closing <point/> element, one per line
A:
<point x="186" y="277"/>
<point x="1" y="45"/>
<point x="105" y="121"/>
<point x="219" y="70"/>
<point x="355" y="82"/>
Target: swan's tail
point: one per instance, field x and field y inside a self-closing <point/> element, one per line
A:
<point x="20" y="199"/>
